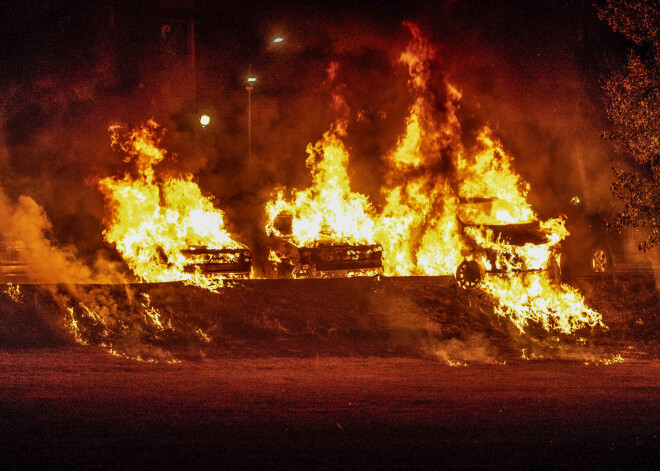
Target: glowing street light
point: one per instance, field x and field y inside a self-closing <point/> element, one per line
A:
<point x="204" y="120"/>
<point x="278" y="39"/>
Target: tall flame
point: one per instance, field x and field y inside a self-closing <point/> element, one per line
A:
<point x="152" y="220"/>
<point x="328" y="210"/>
<point x="433" y="187"/>
<point x="419" y="214"/>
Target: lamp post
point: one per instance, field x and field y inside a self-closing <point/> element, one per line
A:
<point x="251" y="81"/>
<point x="250" y="86"/>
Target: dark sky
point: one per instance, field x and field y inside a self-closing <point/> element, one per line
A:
<point x="530" y="69"/>
<point x="46" y="36"/>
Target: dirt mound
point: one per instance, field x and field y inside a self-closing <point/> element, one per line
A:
<point x="427" y="317"/>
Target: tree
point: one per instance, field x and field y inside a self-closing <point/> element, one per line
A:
<point x="632" y="100"/>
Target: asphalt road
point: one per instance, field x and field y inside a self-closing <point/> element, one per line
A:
<point x="79" y="407"/>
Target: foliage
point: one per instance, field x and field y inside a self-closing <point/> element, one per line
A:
<point x="632" y="97"/>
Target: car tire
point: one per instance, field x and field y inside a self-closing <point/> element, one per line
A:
<point x="600" y="260"/>
<point x="469" y="274"/>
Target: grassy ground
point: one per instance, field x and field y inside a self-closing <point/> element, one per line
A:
<point x="413" y="317"/>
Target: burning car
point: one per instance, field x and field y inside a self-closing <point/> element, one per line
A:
<point x="502" y="248"/>
<point x="324" y="258"/>
<point x="224" y="262"/>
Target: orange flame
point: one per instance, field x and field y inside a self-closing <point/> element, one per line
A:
<point x="328" y="210"/>
<point x="434" y="186"/>
<point x="152" y="220"/>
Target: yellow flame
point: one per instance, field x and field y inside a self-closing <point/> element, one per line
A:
<point x="152" y="220"/>
<point x="152" y="316"/>
<point x="14" y="292"/>
<point x="71" y="323"/>
<point x="439" y="199"/>
<point x="490" y="173"/>
<point x="533" y="297"/>
<point x="328" y="210"/>
<point x="96" y="325"/>
<point x="615" y="359"/>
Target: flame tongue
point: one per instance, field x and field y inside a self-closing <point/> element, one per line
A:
<point x="328" y="210"/>
<point x="490" y="174"/>
<point x="151" y="222"/>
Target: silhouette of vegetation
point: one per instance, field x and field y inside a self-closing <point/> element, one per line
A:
<point x="632" y="99"/>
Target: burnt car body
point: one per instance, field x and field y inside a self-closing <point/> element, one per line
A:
<point x="479" y="259"/>
<point x="225" y="262"/>
<point x="323" y="259"/>
<point x="591" y="248"/>
<point x="327" y="259"/>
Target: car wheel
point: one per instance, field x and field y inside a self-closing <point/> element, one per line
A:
<point x="469" y="274"/>
<point x="601" y="260"/>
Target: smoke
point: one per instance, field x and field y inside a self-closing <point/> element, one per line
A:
<point x="27" y="228"/>
<point x="457" y="352"/>
<point x="551" y="126"/>
<point x="540" y="94"/>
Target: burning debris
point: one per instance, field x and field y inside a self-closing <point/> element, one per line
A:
<point x="14" y="292"/>
<point x="164" y="227"/>
<point x="125" y="324"/>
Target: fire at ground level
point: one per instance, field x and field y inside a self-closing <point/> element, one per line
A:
<point x="332" y="373"/>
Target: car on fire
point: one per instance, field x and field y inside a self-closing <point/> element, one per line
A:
<point x="324" y="258"/>
<point x="594" y="249"/>
<point x="502" y="249"/>
<point x="225" y="262"/>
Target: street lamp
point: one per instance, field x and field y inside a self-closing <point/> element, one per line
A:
<point x="204" y="120"/>
<point x="250" y="85"/>
<point x="251" y="81"/>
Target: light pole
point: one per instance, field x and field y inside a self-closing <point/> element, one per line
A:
<point x="250" y="85"/>
<point x="251" y="81"/>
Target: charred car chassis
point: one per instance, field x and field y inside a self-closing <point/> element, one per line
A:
<point x="324" y="260"/>
<point x="339" y="259"/>
<point x="227" y="262"/>
<point x="512" y="240"/>
<point x="480" y="261"/>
